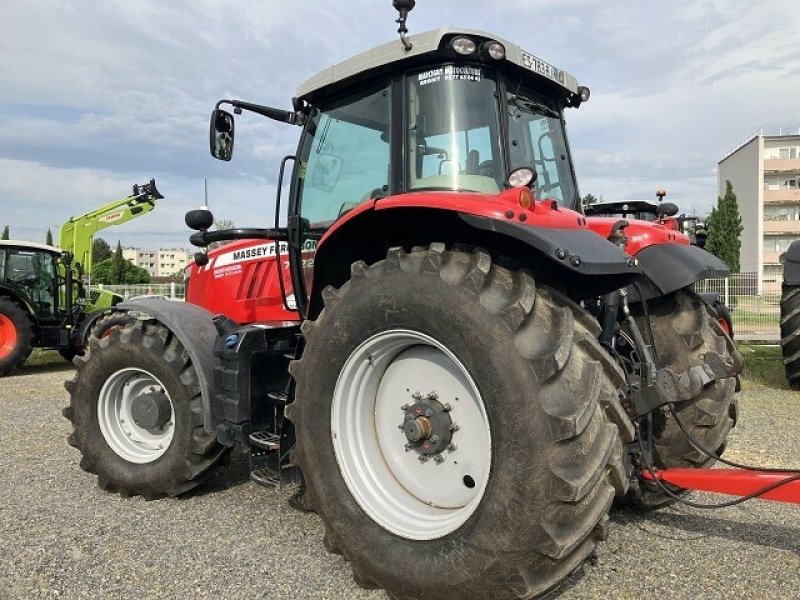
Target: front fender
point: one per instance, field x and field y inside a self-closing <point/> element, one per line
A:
<point x="670" y="267"/>
<point x="194" y="328"/>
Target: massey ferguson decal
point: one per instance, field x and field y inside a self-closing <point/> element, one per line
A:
<point x="230" y="263"/>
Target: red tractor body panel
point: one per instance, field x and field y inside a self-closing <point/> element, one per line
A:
<point x="241" y="281"/>
<point x="641" y="234"/>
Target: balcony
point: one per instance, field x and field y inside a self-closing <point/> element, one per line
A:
<point x="781" y="164"/>
<point x="782" y="226"/>
<point x="788" y="196"/>
<point x="772" y="258"/>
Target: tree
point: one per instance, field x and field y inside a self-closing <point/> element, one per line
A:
<point x="589" y="199"/>
<point x="118" y="265"/>
<point x="103" y="273"/>
<point x="6" y="233"/>
<point x="100" y="250"/>
<point x="725" y="229"/>
<point x="49" y="237"/>
<point x="221" y="224"/>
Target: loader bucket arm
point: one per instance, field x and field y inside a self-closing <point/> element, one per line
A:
<point x="77" y="234"/>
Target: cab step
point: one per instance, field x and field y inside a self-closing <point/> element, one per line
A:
<point x="266" y="477"/>
<point x="265" y="440"/>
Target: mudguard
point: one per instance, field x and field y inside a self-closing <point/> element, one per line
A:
<point x="670" y="267"/>
<point x="791" y="268"/>
<point x="21" y="298"/>
<point x="194" y="328"/>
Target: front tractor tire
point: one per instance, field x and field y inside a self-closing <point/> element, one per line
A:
<point x="137" y="414"/>
<point x="16" y="335"/>
<point x="684" y="330"/>
<point x="458" y="429"/>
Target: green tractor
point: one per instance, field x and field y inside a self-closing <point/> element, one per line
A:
<point x="43" y="300"/>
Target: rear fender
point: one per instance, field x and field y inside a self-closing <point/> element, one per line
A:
<point x="574" y="260"/>
<point x="791" y="268"/>
<point x="194" y="328"/>
<point x="21" y="299"/>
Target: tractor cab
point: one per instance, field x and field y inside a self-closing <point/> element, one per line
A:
<point x="449" y="111"/>
<point x="29" y="272"/>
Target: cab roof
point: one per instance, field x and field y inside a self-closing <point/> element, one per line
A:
<point x="29" y="245"/>
<point x="428" y="43"/>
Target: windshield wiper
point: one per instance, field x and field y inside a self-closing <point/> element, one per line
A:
<point x="534" y="107"/>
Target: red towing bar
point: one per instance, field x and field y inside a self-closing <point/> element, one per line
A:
<point x="733" y="482"/>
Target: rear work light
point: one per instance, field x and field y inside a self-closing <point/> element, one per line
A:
<point x="463" y="45"/>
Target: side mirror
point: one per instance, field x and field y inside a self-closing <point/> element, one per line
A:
<point x="326" y="172"/>
<point x="199" y="220"/>
<point x="221" y="134"/>
<point x="666" y="209"/>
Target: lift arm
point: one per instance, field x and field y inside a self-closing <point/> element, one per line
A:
<point x="77" y="234"/>
<point x="733" y="482"/>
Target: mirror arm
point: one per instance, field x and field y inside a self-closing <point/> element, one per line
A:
<point x="277" y="114"/>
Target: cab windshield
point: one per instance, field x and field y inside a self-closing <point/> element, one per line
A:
<point x="453" y="130"/>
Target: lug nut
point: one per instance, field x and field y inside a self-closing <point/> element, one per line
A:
<point x="423" y="458"/>
<point x="447" y="407"/>
<point x="416" y="396"/>
<point x="433" y="396"/>
<point x="454" y="427"/>
<point x="439" y="459"/>
<point x="452" y="447"/>
<point x="405" y="407"/>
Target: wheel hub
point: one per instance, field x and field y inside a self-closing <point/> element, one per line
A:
<point x="151" y="410"/>
<point x="427" y="425"/>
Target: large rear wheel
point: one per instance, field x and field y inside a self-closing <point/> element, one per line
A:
<point x="459" y="430"/>
<point x="16" y="336"/>
<point x="790" y="333"/>
<point x="137" y="414"/>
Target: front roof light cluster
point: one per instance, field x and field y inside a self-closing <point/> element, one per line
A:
<point x="463" y="45"/>
<point x="495" y="49"/>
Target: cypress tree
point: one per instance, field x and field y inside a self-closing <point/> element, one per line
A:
<point x="118" y="266"/>
<point x="725" y="229"/>
<point x="49" y="238"/>
<point x="6" y="233"/>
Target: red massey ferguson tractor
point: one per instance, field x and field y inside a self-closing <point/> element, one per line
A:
<point x="459" y="368"/>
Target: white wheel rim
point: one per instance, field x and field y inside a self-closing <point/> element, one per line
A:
<point x="412" y="499"/>
<point x="131" y="442"/>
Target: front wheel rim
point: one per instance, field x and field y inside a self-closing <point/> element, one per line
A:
<point x="8" y="336"/>
<point x="412" y="492"/>
<point x="127" y="439"/>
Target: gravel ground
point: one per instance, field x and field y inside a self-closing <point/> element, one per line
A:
<point x="61" y="536"/>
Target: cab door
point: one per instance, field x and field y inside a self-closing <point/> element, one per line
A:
<point x="343" y="160"/>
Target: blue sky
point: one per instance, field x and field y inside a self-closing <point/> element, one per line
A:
<point x="96" y="96"/>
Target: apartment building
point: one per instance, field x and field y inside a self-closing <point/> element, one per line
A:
<point x="765" y="173"/>
<point x="164" y="262"/>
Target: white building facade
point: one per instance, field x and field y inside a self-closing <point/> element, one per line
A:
<point x="765" y="173"/>
<point x="165" y="262"/>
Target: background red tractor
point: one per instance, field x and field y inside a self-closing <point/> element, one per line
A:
<point x="477" y="369"/>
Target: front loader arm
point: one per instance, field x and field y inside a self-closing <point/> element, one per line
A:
<point x="77" y="234"/>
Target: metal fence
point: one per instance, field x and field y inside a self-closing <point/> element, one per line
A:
<point x="754" y="305"/>
<point x="173" y="291"/>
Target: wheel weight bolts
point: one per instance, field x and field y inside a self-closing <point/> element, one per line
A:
<point x="428" y="427"/>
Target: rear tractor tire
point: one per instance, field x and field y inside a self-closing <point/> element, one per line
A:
<point x="137" y="414"/>
<point x="458" y="429"/>
<point x="684" y="329"/>
<point x="790" y="333"/>
<point x="16" y="336"/>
